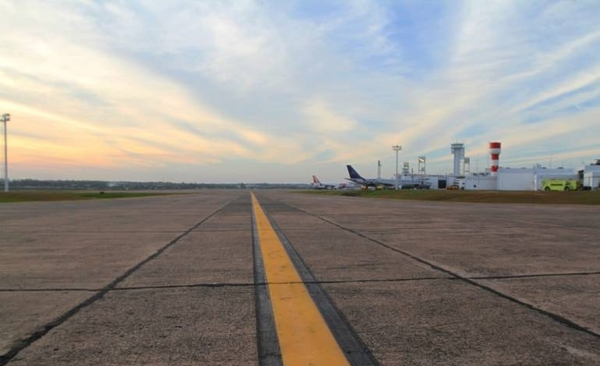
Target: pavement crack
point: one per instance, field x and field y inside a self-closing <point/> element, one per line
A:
<point x="194" y="285"/>
<point x="254" y="284"/>
<point x="50" y="290"/>
<point x="535" y="275"/>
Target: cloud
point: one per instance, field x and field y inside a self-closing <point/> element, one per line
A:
<point x="143" y="86"/>
<point x="57" y="75"/>
<point x="323" y="120"/>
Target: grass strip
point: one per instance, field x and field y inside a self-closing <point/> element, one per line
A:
<point x="49" y="196"/>
<point x="527" y="197"/>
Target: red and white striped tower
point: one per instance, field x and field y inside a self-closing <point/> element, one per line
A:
<point x="495" y="153"/>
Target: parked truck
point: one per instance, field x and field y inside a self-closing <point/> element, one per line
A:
<point x="560" y="185"/>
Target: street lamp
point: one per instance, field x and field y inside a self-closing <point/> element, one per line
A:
<point x="5" y="118"/>
<point x="396" y="148"/>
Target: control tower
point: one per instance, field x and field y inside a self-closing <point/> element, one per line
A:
<point x="458" y="150"/>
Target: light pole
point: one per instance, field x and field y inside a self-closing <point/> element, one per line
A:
<point x="397" y="148"/>
<point x="5" y="118"/>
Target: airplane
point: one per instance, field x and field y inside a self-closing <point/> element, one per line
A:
<point x="358" y="179"/>
<point x="403" y="183"/>
<point x="349" y="185"/>
<point x="318" y="185"/>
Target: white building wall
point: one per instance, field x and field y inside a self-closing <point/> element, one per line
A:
<point x="591" y="176"/>
<point x="516" y="179"/>
<point x="480" y="183"/>
<point x="530" y="179"/>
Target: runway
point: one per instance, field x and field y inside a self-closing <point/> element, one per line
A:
<point x="184" y="280"/>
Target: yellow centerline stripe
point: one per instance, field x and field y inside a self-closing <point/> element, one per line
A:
<point x="304" y="337"/>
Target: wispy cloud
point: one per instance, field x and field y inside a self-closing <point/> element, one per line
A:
<point x="167" y="89"/>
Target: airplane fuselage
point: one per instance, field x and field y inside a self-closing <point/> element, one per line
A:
<point x="386" y="183"/>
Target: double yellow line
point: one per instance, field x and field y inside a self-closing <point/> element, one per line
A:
<point x="304" y="336"/>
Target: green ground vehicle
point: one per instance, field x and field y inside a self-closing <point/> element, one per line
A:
<point x="559" y="185"/>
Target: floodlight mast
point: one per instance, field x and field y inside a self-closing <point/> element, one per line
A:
<point x="396" y="148"/>
<point x="5" y="118"/>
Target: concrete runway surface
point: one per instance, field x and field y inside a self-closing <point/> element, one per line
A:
<point x="176" y="280"/>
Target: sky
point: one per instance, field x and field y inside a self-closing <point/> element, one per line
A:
<point x="278" y="90"/>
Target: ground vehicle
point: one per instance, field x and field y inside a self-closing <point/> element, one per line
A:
<point x="559" y="185"/>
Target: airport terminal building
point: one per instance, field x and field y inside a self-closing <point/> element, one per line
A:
<point x="510" y="179"/>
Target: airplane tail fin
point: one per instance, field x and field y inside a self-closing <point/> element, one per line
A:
<point x="353" y="173"/>
<point x="316" y="180"/>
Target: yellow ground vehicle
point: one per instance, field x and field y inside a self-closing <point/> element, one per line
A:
<point x="559" y="185"/>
